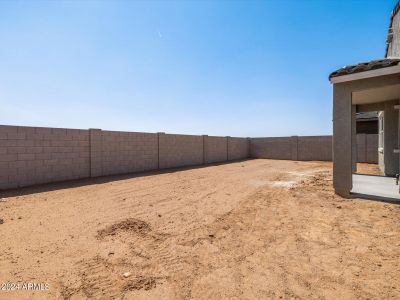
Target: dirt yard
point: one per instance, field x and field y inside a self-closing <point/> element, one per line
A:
<point x="370" y="169"/>
<point x="259" y="229"/>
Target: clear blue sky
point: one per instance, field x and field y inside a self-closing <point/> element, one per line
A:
<point x="251" y="68"/>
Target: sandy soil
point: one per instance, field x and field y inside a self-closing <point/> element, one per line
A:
<point x="259" y="229"/>
<point x="370" y="169"/>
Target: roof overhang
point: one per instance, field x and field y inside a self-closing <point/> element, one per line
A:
<point x="376" y="94"/>
<point x="366" y="74"/>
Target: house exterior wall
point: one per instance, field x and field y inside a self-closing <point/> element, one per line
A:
<point x="390" y="131"/>
<point x="393" y="47"/>
<point x="342" y="139"/>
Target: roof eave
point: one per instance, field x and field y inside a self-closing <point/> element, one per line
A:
<point x="366" y="74"/>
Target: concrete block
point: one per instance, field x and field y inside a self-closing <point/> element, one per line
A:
<point x="273" y="148"/>
<point x="26" y="156"/>
<point x="8" y="157"/>
<point x="16" y="136"/>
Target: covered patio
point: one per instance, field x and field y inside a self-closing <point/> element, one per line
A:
<point x="366" y="87"/>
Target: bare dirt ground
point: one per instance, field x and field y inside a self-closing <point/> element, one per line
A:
<point x="370" y="169"/>
<point x="259" y="229"/>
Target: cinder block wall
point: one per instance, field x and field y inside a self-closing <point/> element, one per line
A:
<point x="367" y="145"/>
<point x="371" y="147"/>
<point x="237" y="148"/>
<point x="34" y="155"/>
<point x="271" y="147"/>
<point x="128" y="152"/>
<point x="361" y="147"/>
<point x="178" y="150"/>
<point x="310" y="148"/>
<point x="216" y="149"/>
<point x="315" y="148"/>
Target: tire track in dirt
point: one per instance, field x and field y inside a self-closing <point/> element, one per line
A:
<point x="96" y="280"/>
<point x="174" y="260"/>
<point x="100" y="278"/>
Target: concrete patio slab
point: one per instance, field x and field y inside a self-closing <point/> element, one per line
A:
<point x="375" y="187"/>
